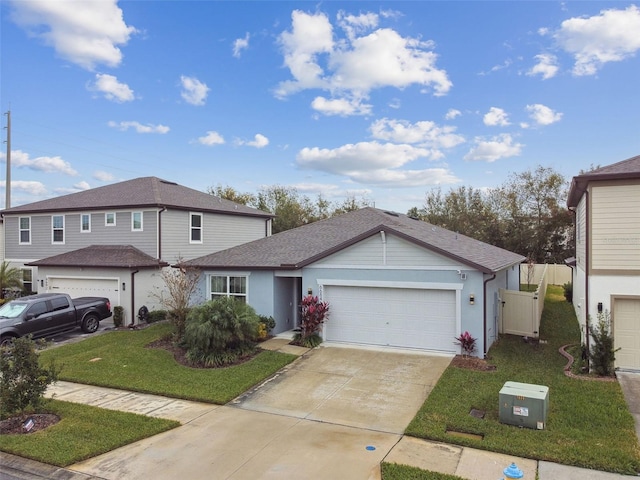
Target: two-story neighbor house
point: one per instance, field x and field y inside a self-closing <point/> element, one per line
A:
<point x="606" y="276"/>
<point x="112" y="241"/>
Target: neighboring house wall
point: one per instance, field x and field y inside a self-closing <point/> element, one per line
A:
<point x="218" y="232"/>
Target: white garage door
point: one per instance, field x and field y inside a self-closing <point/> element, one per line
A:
<point x="86" y="287"/>
<point x="397" y="317"/>
<point x="626" y="332"/>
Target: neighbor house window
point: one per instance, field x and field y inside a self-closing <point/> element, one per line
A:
<point x="27" y="280"/>
<point x="136" y="221"/>
<point x="110" y="219"/>
<point x="85" y="222"/>
<point x="25" y="230"/>
<point x="196" y="228"/>
<point x="57" y="224"/>
<point x="228" y="286"/>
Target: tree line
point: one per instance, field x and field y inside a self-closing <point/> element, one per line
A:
<point x="527" y="214"/>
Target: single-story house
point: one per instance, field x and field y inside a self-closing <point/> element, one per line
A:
<point x="390" y="280"/>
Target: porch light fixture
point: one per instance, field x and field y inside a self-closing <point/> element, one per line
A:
<point x="472" y="299"/>
<point x="123" y="286"/>
<point x="599" y="307"/>
<point x="309" y="291"/>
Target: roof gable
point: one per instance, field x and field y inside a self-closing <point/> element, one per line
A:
<point x="305" y="245"/>
<point x="624" y="170"/>
<point x="139" y="193"/>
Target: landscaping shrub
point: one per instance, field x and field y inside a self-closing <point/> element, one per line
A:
<point x="268" y="324"/>
<point x="467" y="343"/>
<point x="157" y="316"/>
<point x="313" y="313"/>
<point x="568" y="291"/>
<point x="118" y="316"/>
<point x="22" y="380"/>
<point x="602" y="354"/>
<point x="220" y="331"/>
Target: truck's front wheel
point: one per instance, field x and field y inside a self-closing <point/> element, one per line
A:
<point x="90" y="324"/>
<point x="6" y="341"/>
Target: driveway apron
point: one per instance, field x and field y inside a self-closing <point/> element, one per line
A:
<point x="333" y="413"/>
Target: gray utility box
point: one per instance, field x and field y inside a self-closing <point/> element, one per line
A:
<point x="524" y="405"/>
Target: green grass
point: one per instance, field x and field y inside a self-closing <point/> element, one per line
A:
<point x="83" y="432"/>
<point x="126" y="363"/>
<point x="394" y="471"/>
<point x="588" y="424"/>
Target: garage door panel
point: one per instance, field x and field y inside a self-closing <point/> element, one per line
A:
<point x="626" y="330"/>
<point x="410" y="318"/>
<point x="86" y="287"/>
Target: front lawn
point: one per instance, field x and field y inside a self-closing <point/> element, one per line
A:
<point x="122" y="360"/>
<point x="588" y="424"/>
<point x="82" y="432"/>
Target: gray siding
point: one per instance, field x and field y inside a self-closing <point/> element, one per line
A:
<point x="394" y="251"/>
<point x="41" y="234"/>
<point x="219" y="232"/>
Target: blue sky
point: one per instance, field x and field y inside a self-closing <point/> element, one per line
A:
<point x="382" y="100"/>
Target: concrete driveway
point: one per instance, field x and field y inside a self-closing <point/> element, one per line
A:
<point x="334" y="413"/>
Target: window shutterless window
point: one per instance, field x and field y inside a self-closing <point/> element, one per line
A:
<point x="136" y="221"/>
<point x="57" y="229"/>
<point x="85" y="222"/>
<point x="228" y="286"/>
<point x="110" y="219"/>
<point x="27" y="280"/>
<point x="195" y="235"/>
<point x="25" y="230"/>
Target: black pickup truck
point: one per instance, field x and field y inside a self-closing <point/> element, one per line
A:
<point x="48" y="313"/>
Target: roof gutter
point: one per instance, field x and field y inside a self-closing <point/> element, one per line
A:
<point x="484" y="313"/>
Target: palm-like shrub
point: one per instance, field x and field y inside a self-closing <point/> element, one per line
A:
<point x="313" y="313"/>
<point x="219" y="332"/>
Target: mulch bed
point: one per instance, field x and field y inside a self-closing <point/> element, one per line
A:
<point x="472" y="363"/>
<point x="14" y="425"/>
<point x="180" y="354"/>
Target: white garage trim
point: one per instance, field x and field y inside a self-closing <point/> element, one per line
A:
<point x="106" y="287"/>
<point x="393" y="314"/>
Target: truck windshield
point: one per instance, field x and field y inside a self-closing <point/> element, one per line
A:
<point x="12" y="309"/>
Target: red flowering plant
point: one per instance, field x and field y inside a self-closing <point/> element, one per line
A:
<point x="467" y="343"/>
<point x="313" y="313"/>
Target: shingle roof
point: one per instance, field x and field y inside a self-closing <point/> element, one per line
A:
<point x="106" y="256"/>
<point x="304" y="245"/>
<point x="624" y="170"/>
<point x="136" y="193"/>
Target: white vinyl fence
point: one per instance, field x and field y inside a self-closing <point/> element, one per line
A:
<point x="557" y="274"/>
<point x="521" y="311"/>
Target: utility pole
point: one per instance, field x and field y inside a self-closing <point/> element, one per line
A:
<point x="7" y="186"/>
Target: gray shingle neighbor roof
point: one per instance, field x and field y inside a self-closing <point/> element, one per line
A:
<point x="139" y="193"/>
<point x="304" y="245"/>
<point x="106" y="256"/>
<point x="624" y="170"/>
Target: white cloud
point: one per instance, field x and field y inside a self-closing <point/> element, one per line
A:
<point x="452" y="113"/>
<point x="424" y="134"/>
<point x="139" y="127"/>
<point x="193" y="90"/>
<point x="547" y="66"/>
<point x="20" y="159"/>
<point x="84" y="33"/>
<point x="494" y="149"/>
<point x="30" y="187"/>
<point x="240" y="44"/>
<point x="542" y="114"/>
<point x="611" y="36"/>
<point x="496" y="117"/>
<point x="340" y="106"/>
<point x="259" y="141"/>
<point x="112" y="89"/>
<point x="103" y="176"/>
<point x="211" y="138"/>
<point x="374" y="163"/>
<point x="353" y="66"/>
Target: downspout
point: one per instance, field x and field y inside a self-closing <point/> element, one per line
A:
<point x="133" y="295"/>
<point x="163" y="209"/>
<point x="484" y="313"/>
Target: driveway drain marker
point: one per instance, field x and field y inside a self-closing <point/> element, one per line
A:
<point x="371" y="448"/>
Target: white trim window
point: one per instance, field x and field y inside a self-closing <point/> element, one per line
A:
<point x="57" y="229"/>
<point x="110" y="219"/>
<point x="136" y="222"/>
<point x="27" y="280"/>
<point x="228" y="286"/>
<point x="85" y="223"/>
<point x="195" y="227"/>
<point x="24" y="224"/>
